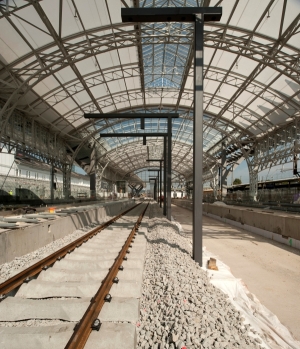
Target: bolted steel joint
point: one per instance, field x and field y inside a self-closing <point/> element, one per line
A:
<point x="96" y="325"/>
<point x="108" y="298"/>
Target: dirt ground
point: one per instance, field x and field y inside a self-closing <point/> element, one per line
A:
<point x="269" y="269"/>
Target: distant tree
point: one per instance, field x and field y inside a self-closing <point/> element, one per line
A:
<point x="237" y="181"/>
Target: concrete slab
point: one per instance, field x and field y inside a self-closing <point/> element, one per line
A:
<point x="139" y="245"/>
<point x="109" y="240"/>
<point x="132" y="289"/>
<point x="86" y="265"/>
<point x="121" y="309"/>
<point x="112" y="336"/>
<point x="133" y="262"/>
<point x="62" y="275"/>
<point x="100" y="256"/>
<point x="18" y="309"/>
<point x="46" y="289"/>
<point x="135" y="274"/>
<point x="137" y="254"/>
<point x="95" y="249"/>
<point x="46" y="337"/>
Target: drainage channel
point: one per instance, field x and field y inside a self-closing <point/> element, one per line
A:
<point x="66" y="296"/>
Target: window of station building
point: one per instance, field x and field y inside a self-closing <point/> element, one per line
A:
<point x="17" y="172"/>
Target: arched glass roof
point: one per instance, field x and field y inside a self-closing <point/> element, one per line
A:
<point x="63" y="58"/>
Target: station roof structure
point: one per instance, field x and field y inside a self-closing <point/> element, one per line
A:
<point x="63" y="58"/>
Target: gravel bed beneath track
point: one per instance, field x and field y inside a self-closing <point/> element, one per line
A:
<point x="7" y="270"/>
<point x="180" y="308"/>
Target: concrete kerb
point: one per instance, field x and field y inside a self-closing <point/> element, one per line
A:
<point x="278" y="227"/>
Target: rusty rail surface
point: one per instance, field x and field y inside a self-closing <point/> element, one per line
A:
<point x="36" y="268"/>
<point x="83" y="329"/>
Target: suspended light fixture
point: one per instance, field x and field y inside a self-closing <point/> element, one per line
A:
<point x="268" y="16"/>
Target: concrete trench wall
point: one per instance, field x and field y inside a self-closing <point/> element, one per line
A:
<point x="281" y="227"/>
<point x="18" y="242"/>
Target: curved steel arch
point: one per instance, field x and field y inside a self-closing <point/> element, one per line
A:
<point x="232" y="79"/>
<point x="207" y="37"/>
<point x="114" y="37"/>
<point x="92" y="53"/>
<point x="104" y="102"/>
<point x="249" y="45"/>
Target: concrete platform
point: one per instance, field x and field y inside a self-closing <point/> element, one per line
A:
<point x="269" y="269"/>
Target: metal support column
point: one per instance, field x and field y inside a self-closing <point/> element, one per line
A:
<point x="52" y="184"/>
<point x="198" y="140"/>
<point x="158" y="188"/>
<point x="160" y="180"/>
<point x="67" y="168"/>
<point x="253" y="182"/>
<point x="169" y="168"/>
<point x="224" y="172"/>
<point x="93" y="185"/>
<point x="165" y="176"/>
<point x="197" y="15"/>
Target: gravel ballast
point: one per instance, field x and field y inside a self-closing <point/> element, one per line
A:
<point x="180" y="308"/>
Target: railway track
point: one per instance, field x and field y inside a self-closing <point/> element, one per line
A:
<point x="56" y="302"/>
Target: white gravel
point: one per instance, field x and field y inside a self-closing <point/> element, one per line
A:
<point x="7" y="270"/>
<point x="180" y="308"/>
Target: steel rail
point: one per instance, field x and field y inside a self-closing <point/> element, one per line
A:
<point x="43" y="264"/>
<point x="83" y="329"/>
